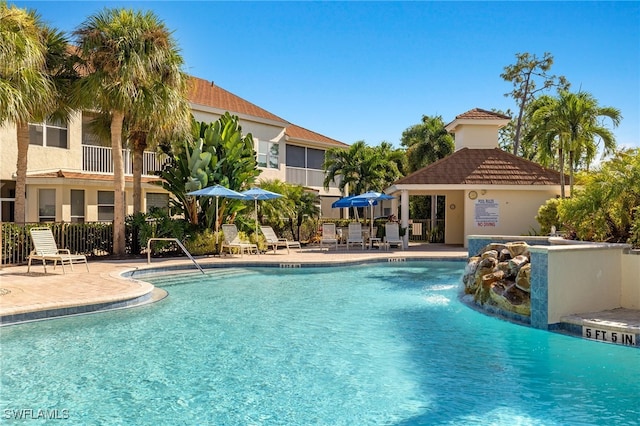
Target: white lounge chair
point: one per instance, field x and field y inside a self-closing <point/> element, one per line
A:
<point x="45" y="248"/>
<point x="232" y="241"/>
<point x="355" y="235"/>
<point x="329" y="235"/>
<point x="275" y="242"/>
<point x="392" y="235"/>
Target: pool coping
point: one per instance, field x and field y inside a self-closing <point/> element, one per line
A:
<point x="133" y="292"/>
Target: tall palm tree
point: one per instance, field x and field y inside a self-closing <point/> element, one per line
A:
<point x="426" y="142"/>
<point x="34" y="74"/>
<point x="125" y="51"/>
<point x="571" y="123"/>
<point x="161" y="113"/>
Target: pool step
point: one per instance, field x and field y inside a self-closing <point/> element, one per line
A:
<point x="618" y="326"/>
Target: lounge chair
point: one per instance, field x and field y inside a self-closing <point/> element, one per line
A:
<point x="45" y="248"/>
<point x="355" y="235"/>
<point x="329" y="235"/>
<point x="232" y="241"/>
<point x="392" y="235"/>
<point x="275" y="242"/>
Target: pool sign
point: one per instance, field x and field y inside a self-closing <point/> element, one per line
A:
<point x="486" y="213"/>
<point x="610" y="336"/>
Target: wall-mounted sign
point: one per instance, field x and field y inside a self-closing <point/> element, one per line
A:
<point x="486" y="213"/>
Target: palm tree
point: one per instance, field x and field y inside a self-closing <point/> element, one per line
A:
<point x="571" y="123"/>
<point x="125" y="52"/>
<point x="361" y="167"/>
<point x="161" y="113"/>
<point x="34" y="70"/>
<point x="426" y="142"/>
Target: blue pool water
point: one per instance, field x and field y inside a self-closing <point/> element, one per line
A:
<point x="383" y="344"/>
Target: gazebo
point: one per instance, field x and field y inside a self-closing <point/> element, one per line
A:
<point x="488" y="191"/>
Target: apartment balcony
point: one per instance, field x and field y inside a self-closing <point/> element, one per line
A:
<point x="307" y="177"/>
<point x="98" y="159"/>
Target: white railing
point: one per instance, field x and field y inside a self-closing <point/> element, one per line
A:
<point x="307" y="177"/>
<point x="98" y="159"/>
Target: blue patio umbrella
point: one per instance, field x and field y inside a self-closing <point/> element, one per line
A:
<point x="370" y="198"/>
<point x="259" y="194"/>
<point x="351" y="201"/>
<point x="217" y="191"/>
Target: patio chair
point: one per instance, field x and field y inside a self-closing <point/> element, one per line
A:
<point x="329" y="235"/>
<point x="392" y="235"/>
<point x="232" y="241"/>
<point x="355" y="235"/>
<point x="45" y="248"/>
<point x="275" y="242"/>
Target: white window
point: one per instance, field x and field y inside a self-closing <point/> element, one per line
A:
<point x="77" y="206"/>
<point x="46" y="205"/>
<point x="157" y="200"/>
<point x="51" y="133"/>
<point x="105" y="206"/>
<point x="268" y="154"/>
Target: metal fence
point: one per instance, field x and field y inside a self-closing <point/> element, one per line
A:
<point x="90" y="239"/>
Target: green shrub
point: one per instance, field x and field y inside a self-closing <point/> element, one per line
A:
<point x="548" y="216"/>
<point x="203" y="243"/>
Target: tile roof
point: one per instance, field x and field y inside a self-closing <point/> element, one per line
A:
<point x="482" y="167"/>
<point x="89" y="176"/>
<point x="482" y="114"/>
<point x="206" y="93"/>
<point x="297" y="132"/>
<point x="203" y="92"/>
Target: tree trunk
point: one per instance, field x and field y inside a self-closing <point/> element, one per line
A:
<point x="523" y="105"/>
<point x="139" y="145"/>
<point x="561" y="161"/>
<point x="118" y="184"/>
<point x="22" y="133"/>
<point x="570" y="173"/>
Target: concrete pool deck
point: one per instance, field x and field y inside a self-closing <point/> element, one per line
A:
<point x="36" y="295"/>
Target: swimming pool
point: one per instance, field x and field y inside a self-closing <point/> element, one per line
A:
<point x="358" y="345"/>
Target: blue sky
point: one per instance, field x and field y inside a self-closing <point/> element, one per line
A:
<point x="369" y="70"/>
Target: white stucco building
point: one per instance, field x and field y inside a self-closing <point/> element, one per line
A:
<point x="70" y="177"/>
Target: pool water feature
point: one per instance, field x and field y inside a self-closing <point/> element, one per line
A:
<point x="374" y="344"/>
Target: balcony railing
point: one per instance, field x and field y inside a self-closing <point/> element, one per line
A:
<point x="307" y="177"/>
<point x="98" y="159"/>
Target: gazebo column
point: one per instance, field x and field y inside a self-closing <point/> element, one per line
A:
<point x="394" y="206"/>
<point x="404" y="215"/>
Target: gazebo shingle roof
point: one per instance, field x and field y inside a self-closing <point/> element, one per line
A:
<point x="482" y="114"/>
<point x="482" y="167"/>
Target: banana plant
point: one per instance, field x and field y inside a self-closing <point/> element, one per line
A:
<point x="219" y="154"/>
